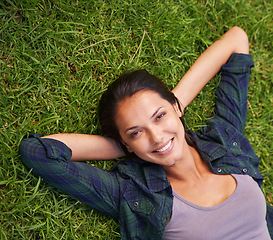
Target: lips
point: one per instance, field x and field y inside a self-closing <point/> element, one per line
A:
<point x="164" y="148"/>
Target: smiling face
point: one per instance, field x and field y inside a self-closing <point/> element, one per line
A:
<point x="150" y="127"/>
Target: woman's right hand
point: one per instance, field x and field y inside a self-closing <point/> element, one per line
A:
<point x="89" y="147"/>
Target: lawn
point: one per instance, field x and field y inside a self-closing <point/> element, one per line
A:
<point x="56" y="59"/>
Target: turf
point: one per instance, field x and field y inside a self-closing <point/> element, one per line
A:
<point x="57" y="57"/>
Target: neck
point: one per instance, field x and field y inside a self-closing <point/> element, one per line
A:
<point x="191" y="168"/>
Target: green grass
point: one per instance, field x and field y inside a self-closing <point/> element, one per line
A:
<point x="57" y="57"/>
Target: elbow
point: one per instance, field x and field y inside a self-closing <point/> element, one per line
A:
<point x="44" y="155"/>
<point x="28" y="149"/>
<point x="241" y="43"/>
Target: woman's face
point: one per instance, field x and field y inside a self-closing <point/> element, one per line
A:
<point x="150" y="127"/>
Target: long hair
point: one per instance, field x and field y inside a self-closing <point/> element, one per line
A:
<point x="126" y="86"/>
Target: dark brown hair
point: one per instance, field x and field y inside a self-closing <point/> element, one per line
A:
<point x="126" y="86"/>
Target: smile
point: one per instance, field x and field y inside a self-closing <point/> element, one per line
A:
<point x="165" y="147"/>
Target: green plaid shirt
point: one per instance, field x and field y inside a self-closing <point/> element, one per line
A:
<point x="140" y="195"/>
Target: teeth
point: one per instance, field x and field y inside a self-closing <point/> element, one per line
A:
<point x="165" y="148"/>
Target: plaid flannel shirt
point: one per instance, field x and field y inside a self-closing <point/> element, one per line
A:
<point x="140" y="195"/>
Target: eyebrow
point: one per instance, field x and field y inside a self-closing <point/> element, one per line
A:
<point x="134" y="127"/>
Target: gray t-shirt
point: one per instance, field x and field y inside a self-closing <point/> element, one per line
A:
<point x="240" y="217"/>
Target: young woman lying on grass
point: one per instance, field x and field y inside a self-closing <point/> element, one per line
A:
<point x="174" y="184"/>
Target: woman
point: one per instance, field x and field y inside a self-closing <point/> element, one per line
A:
<point x="174" y="184"/>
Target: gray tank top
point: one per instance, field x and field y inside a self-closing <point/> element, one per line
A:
<point x="240" y="217"/>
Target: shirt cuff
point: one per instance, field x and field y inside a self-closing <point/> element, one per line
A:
<point x="238" y="63"/>
<point x="55" y="149"/>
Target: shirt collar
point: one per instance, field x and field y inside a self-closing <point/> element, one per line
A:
<point x="146" y="174"/>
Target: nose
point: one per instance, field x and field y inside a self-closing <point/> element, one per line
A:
<point x="156" y="134"/>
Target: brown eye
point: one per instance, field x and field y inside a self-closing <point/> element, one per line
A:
<point x="160" y="116"/>
<point x="134" y="134"/>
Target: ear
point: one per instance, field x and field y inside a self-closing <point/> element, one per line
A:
<point x="176" y="108"/>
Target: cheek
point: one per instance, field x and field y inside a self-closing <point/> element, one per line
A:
<point x="140" y="146"/>
<point x="174" y="124"/>
<point x="177" y="128"/>
<point x="134" y="145"/>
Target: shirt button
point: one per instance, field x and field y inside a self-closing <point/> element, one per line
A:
<point x="244" y="170"/>
<point x="234" y="144"/>
<point x="135" y="204"/>
<point x="219" y="170"/>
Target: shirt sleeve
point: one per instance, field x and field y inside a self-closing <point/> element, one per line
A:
<point x="221" y="141"/>
<point x="231" y="94"/>
<point x="50" y="159"/>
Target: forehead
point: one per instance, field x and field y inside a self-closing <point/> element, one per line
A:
<point x="138" y="108"/>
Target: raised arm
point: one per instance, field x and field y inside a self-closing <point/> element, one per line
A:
<point x="93" y="147"/>
<point x="89" y="147"/>
<point x="209" y="63"/>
